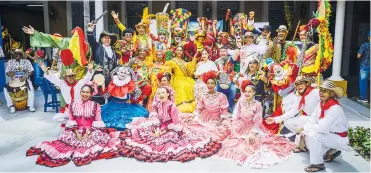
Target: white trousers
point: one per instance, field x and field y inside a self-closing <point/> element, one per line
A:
<point x="30" y="99"/>
<point x="295" y="123"/>
<point x="319" y="143"/>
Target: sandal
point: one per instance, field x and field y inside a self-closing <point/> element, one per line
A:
<point x="315" y="168"/>
<point x="331" y="157"/>
<point x="299" y="150"/>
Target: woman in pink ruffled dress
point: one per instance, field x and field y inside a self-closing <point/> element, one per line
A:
<point x="250" y="144"/>
<point x="212" y="109"/>
<point x="84" y="139"/>
<point x="161" y="138"/>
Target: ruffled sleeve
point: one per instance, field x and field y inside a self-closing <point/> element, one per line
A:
<point x="98" y="118"/>
<point x="200" y="106"/>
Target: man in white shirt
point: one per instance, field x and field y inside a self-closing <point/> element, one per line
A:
<point x="307" y="100"/>
<point x="19" y="70"/>
<point x="326" y="130"/>
<point x="70" y="87"/>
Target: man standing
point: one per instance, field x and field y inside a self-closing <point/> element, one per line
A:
<point x="103" y="52"/>
<point x="364" y="70"/>
<point x="19" y="69"/>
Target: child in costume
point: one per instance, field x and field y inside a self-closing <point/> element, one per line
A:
<point x="250" y="144"/>
<point x="84" y="139"/>
<point x="118" y="112"/>
<point x="161" y="138"/>
<point x="212" y="109"/>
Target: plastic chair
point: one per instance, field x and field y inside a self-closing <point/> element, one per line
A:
<point x="49" y="89"/>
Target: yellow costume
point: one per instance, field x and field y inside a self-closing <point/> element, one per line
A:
<point x="183" y="83"/>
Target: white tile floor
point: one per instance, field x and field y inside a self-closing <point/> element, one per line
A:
<point x="24" y="129"/>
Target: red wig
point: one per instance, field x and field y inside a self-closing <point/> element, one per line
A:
<point x="209" y="75"/>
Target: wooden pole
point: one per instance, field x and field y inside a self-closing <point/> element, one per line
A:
<point x="296" y="31"/>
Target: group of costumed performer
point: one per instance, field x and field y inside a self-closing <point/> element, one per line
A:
<point x="190" y="90"/>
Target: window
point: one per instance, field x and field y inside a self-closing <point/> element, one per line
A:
<point x="134" y="12"/>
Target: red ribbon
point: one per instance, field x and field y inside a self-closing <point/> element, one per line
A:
<point x="326" y="106"/>
<point x="302" y="100"/>
<point x="72" y="91"/>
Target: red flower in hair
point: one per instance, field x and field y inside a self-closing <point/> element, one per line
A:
<point x="163" y="74"/>
<point x="244" y="84"/>
<point x="209" y="75"/>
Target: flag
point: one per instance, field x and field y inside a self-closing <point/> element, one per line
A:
<point x="78" y="46"/>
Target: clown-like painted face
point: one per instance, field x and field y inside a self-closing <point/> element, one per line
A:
<point x="278" y="72"/>
<point x="128" y="37"/>
<point x="163" y="94"/>
<point x="123" y="73"/>
<point x="177" y="39"/>
<point x="162" y="37"/>
<point x="141" y="30"/>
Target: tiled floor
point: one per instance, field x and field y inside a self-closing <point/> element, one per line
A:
<point x="24" y="129"/>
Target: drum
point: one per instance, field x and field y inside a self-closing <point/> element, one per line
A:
<point x="18" y="92"/>
<point x="224" y="80"/>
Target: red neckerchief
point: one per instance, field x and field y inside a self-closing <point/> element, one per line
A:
<point x="326" y="106"/>
<point x="302" y="100"/>
<point x="72" y="91"/>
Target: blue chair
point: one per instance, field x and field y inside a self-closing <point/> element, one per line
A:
<point x="49" y="89"/>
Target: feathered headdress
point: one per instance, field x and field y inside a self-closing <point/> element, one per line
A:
<point x="209" y="75"/>
<point x="180" y="18"/>
<point x="325" y="49"/>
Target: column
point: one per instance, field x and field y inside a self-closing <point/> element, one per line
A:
<point x="46" y="25"/>
<point x="172" y="5"/>
<point x="46" y="17"/>
<point x="86" y="9"/>
<point x="242" y="7"/>
<point x="99" y="11"/>
<point x="69" y="17"/>
<point x="265" y="11"/>
<point x="214" y="12"/>
<point x="123" y="14"/>
<point x="200" y="8"/>
<point x="338" y="46"/>
<point x="149" y="5"/>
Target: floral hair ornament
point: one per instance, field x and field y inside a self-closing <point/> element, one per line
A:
<point x="94" y="86"/>
<point x="209" y="75"/>
<point x="246" y="83"/>
<point x="164" y="74"/>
